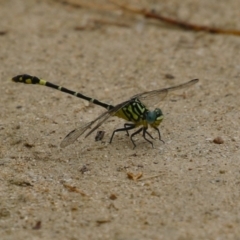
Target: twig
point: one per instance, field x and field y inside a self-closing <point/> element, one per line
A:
<point x="181" y="24"/>
<point x="74" y="189"/>
<point x="151" y="177"/>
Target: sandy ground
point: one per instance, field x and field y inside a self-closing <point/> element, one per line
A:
<point x="190" y="186"/>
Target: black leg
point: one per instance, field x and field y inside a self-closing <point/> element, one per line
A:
<point x="127" y="126"/>
<point x="144" y="136"/>
<point x="149" y="134"/>
<point x="138" y="131"/>
<point x="159" y="134"/>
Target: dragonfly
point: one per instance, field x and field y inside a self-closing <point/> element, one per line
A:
<point x="135" y="110"/>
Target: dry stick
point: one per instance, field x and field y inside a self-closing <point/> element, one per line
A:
<point x="151" y="177"/>
<point x="95" y="6"/>
<point x="181" y="24"/>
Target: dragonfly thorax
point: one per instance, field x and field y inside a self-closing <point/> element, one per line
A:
<point x="153" y="116"/>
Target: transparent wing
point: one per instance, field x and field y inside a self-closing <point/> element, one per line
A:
<point x="76" y="133"/>
<point x="108" y="114"/>
<point x="152" y="98"/>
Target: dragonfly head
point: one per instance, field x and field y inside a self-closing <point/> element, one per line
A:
<point x="154" y="117"/>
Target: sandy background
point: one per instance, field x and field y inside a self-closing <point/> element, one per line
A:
<point x="190" y="188"/>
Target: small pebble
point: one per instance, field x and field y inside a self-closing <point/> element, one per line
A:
<point x="169" y="76"/>
<point x="218" y="140"/>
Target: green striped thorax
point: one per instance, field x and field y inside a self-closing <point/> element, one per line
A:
<point x="135" y="111"/>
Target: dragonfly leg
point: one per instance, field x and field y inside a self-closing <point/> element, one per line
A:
<point x="149" y="134"/>
<point x="144" y="136"/>
<point x="138" y="131"/>
<point x="127" y="126"/>
<point x="159" y="134"/>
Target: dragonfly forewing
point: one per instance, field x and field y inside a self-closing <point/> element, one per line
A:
<point x="153" y="98"/>
<point x="76" y="133"/>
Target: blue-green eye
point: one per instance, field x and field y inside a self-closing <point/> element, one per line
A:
<point x="152" y="116"/>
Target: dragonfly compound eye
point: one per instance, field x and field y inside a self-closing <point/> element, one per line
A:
<point x="151" y="116"/>
<point x="159" y="114"/>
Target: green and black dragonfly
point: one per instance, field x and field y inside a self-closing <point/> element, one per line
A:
<point x="135" y="110"/>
